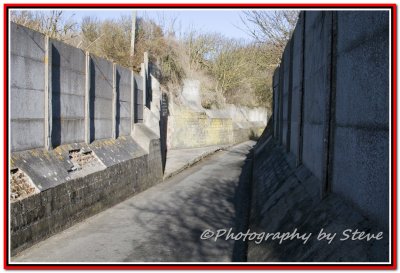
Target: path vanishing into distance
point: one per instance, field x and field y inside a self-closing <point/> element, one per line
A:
<point x="164" y="223"/>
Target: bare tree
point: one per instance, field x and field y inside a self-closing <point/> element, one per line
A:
<point x="274" y="26"/>
<point x="53" y="23"/>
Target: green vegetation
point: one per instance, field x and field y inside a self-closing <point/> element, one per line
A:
<point x="230" y="71"/>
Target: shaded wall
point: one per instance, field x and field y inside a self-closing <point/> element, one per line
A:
<point x="68" y="93"/>
<point x="360" y="163"/>
<point x="339" y="111"/>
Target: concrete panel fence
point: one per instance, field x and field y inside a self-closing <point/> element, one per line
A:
<point x="62" y="95"/>
<point x="331" y="105"/>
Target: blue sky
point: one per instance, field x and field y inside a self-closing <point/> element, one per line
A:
<point x="222" y="21"/>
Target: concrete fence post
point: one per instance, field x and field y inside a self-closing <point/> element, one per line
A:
<point x="87" y="98"/>
<point x="48" y="121"/>
<point x="147" y="79"/>
<point x="133" y="87"/>
<point x="143" y="74"/>
<point x="114" y="102"/>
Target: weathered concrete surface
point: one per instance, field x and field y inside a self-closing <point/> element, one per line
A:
<point x="180" y="159"/>
<point x="26" y="88"/>
<point x="162" y="224"/>
<point x="68" y="93"/>
<point x="286" y="94"/>
<point x="361" y="134"/>
<point x="67" y="197"/>
<point x="340" y="128"/>
<point x="297" y="88"/>
<point x="123" y="113"/>
<point x="101" y="98"/>
<point x="285" y="198"/>
<point x="317" y="62"/>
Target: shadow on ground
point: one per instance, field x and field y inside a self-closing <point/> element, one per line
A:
<point x="219" y="201"/>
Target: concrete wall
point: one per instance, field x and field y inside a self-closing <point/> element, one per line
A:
<point x="317" y="50"/>
<point x="124" y="101"/>
<point x="66" y="103"/>
<point x="286" y="95"/>
<point x="297" y="89"/>
<point x="361" y="132"/>
<point x="190" y="125"/>
<point x="73" y="97"/>
<point x="340" y="105"/>
<point x="101" y="91"/>
<point x="275" y="105"/>
<point x="26" y="88"/>
<point x="66" y="197"/>
<point x="284" y="198"/>
<point x="68" y="93"/>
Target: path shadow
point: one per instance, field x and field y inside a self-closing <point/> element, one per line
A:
<point x="173" y="225"/>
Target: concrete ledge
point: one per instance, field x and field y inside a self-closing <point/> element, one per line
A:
<point x="285" y="197"/>
<point x="66" y="198"/>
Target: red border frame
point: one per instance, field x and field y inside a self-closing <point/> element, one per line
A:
<point x="206" y="266"/>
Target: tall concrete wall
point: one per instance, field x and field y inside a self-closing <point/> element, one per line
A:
<point x="340" y="105"/>
<point x="68" y="93"/>
<point x="317" y="64"/>
<point x="286" y="95"/>
<point x="360" y="164"/>
<point x="297" y="89"/>
<point x="101" y="91"/>
<point x="124" y="101"/>
<point x="27" y="82"/>
<point x="62" y="95"/>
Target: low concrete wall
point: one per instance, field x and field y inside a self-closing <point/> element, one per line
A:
<point x="340" y="106"/>
<point x="66" y="197"/>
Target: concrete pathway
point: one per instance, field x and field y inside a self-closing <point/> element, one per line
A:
<point x="180" y="159"/>
<point x="164" y="223"/>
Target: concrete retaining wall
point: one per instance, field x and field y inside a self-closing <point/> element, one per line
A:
<point x="285" y="198"/>
<point x="101" y="90"/>
<point x="27" y="88"/>
<point x="67" y="197"/>
<point x="78" y="134"/>
<point x="297" y="89"/>
<point x="62" y="95"/>
<point x="340" y="105"/>
<point x="191" y="126"/>
<point x="68" y="93"/>
<point x="124" y="101"/>
<point x="360" y="164"/>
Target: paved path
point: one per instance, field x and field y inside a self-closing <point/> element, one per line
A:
<point x="164" y="223"/>
<point x="180" y="159"/>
